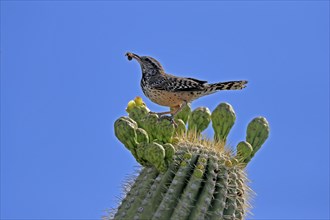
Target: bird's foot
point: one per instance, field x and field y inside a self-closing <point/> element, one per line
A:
<point x="162" y="115"/>
<point x="159" y="114"/>
<point x="170" y="118"/>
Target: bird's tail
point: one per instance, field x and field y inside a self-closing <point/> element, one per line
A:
<point x="231" y="85"/>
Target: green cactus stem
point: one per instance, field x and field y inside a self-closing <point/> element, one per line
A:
<point x="204" y="201"/>
<point x="125" y="131"/>
<point x="243" y="152"/>
<point x="164" y="130"/>
<point x="223" y="119"/>
<point x="180" y="128"/>
<point x="142" y="135"/>
<point x="199" y="119"/>
<point x="169" y="153"/>
<point x="185" y="175"/>
<point x="184" y="205"/>
<point x="256" y="134"/>
<point x="137" y="194"/>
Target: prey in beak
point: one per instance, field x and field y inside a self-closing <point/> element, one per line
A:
<point x="130" y="56"/>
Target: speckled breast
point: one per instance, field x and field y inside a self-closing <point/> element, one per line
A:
<point x="167" y="98"/>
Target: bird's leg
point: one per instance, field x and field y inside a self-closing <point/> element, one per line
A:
<point x="164" y="115"/>
<point x="180" y="107"/>
<point x="174" y="111"/>
<point x="160" y="113"/>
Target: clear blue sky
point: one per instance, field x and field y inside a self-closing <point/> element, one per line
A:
<point x="65" y="80"/>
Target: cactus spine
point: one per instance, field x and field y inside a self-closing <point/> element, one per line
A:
<point x="184" y="175"/>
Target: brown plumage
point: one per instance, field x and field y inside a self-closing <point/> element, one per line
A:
<point x="172" y="91"/>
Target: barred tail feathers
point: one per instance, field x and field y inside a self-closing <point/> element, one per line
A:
<point x="231" y="85"/>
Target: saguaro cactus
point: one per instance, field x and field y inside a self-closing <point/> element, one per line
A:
<point x="184" y="175"/>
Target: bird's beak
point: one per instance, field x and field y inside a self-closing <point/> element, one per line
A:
<point x="130" y="56"/>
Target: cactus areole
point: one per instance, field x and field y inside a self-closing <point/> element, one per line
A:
<point x="184" y="175"/>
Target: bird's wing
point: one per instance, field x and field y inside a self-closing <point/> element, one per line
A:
<point x="184" y="84"/>
<point x="197" y="80"/>
<point x="173" y="83"/>
<point x="159" y="83"/>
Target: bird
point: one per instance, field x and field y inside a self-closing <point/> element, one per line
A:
<point x="172" y="91"/>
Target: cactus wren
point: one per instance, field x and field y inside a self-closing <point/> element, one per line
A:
<point x="172" y="91"/>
